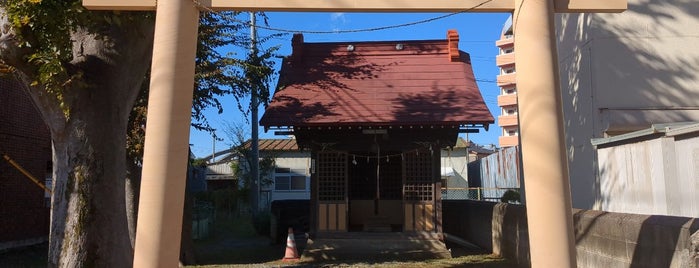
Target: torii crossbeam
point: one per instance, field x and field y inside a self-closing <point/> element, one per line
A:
<point x="545" y="165"/>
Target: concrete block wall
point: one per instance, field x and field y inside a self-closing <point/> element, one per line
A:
<point x="510" y="233"/>
<point x="498" y="227"/>
<point x="24" y="215"/>
<point x="634" y="240"/>
<point x="470" y="220"/>
<point x="603" y="239"/>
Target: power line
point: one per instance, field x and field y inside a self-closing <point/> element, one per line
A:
<point x="232" y="18"/>
<point x="485" y="80"/>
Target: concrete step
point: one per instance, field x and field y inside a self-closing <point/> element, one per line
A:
<point x="377" y="224"/>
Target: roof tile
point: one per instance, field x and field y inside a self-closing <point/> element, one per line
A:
<point x="376" y="84"/>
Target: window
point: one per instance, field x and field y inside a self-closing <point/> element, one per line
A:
<point x="509" y="110"/>
<point x="298" y="182"/>
<point x="287" y="180"/>
<point x="510" y="132"/>
<point x="508" y="91"/>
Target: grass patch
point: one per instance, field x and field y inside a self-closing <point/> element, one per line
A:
<point x="233" y="240"/>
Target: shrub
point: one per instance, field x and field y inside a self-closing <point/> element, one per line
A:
<point x="261" y="221"/>
<point x="510" y="196"/>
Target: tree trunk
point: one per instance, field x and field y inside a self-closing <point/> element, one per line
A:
<point x="133" y="187"/>
<point x="88" y="124"/>
<point x="89" y="217"/>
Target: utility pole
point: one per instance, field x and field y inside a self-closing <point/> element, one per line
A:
<point x="213" y="149"/>
<point x="254" y="104"/>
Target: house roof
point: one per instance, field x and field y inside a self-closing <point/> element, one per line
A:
<point x="276" y="145"/>
<point x="472" y="147"/>
<point x="226" y="155"/>
<point x="397" y="83"/>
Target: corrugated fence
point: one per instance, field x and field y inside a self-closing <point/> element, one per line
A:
<point x="499" y="172"/>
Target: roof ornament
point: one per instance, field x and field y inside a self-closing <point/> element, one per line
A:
<point x="453" y="46"/>
<point x="350" y="48"/>
<point x="297" y="46"/>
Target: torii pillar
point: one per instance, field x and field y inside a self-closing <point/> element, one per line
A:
<point x="544" y="158"/>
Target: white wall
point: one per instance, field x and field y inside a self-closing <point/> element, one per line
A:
<point x="658" y="176"/>
<point x="623" y="72"/>
<point x="299" y="163"/>
<point x="457" y="159"/>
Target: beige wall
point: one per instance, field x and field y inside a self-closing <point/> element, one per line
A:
<point x="622" y="72"/>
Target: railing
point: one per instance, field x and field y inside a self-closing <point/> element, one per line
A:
<point x="475" y="193"/>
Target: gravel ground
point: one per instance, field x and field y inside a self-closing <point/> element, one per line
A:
<point x="258" y="252"/>
<point x="481" y="260"/>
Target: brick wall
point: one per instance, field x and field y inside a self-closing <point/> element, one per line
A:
<point x="24" y="215"/>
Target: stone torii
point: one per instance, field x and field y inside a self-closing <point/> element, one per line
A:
<point x="545" y="165"/>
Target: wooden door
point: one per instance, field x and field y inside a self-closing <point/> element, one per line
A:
<point x="418" y="192"/>
<point x="332" y="191"/>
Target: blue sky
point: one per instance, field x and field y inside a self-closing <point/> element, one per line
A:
<point x="477" y="31"/>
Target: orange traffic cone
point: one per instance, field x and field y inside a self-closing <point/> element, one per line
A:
<point x="291" y="254"/>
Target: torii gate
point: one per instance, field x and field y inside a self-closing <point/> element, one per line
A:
<point x="545" y="164"/>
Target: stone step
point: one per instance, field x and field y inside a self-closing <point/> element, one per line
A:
<point x="377" y="224"/>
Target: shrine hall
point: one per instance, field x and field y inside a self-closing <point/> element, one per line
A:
<point x="375" y="115"/>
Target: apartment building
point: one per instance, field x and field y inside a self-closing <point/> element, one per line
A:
<point x="622" y="73"/>
<point x="507" y="100"/>
<point x="619" y="73"/>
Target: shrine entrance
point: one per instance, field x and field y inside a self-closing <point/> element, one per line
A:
<point x="375" y="192"/>
<point x="365" y="191"/>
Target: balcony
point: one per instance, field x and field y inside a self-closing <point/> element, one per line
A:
<point x="506" y="79"/>
<point x="505" y="59"/>
<point x="505" y="42"/>
<point x="507" y="141"/>
<point x="505" y="100"/>
<point x="508" y="120"/>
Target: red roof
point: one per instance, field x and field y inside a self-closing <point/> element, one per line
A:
<point x="392" y="83"/>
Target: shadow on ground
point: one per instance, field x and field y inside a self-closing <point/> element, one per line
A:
<point x="233" y="242"/>
<point x="26" y="257"/>
<point x="226" y="247"/>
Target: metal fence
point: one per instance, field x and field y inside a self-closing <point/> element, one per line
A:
<point x="475" y="193"/>
<point x="202" y="219"/>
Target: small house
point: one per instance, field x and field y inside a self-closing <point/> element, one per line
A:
<point x="375" y="116"/>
